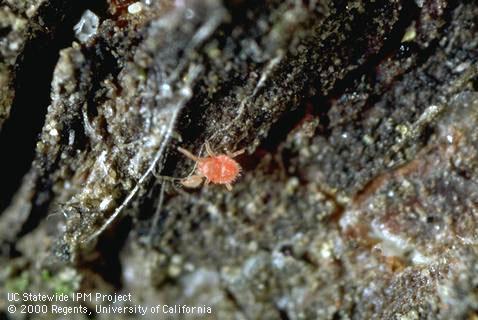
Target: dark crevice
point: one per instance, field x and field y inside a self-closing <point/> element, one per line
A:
<point x="421" y="54"/>
<point x="104" y="64"/>
<point x="235" y="302"/>
<point x="5" y="31"/>
<point x="34" y="74"/>
<point x="319" y="106"/>
<point x="107" y="263"/>
<point x="283" y="314"/>
<point x="279" y="131"/>
<point x="409" y="13"/>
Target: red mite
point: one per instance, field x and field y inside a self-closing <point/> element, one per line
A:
<point x="215" y="168"/>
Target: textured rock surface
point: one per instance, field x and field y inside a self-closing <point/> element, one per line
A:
<point x="358" y="197"/>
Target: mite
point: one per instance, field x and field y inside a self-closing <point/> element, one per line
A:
<point x="215" y="168"/>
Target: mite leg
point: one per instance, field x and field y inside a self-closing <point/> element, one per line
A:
<point x="188" y="154"/>
<point x="236" y="153"/>
<point x="192" y="182"/>
<point x="209" y="149"/>
<point x="228" y="187"/>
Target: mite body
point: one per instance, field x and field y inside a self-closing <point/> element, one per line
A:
<point x="215" y="168"/>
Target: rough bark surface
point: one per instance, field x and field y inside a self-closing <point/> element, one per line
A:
<point x="358" y="197"/>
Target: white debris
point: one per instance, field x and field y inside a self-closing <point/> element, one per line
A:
<point x="166" y="90"/>
<point x="105" y="203"/>
<point x="135" y="8"/>
<point x="71" y="137"/>
<point x="462" y="67"/>
<point x="189" y="14"/>
<point x="87" y="26"/>
<point x="186" y="92"/>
